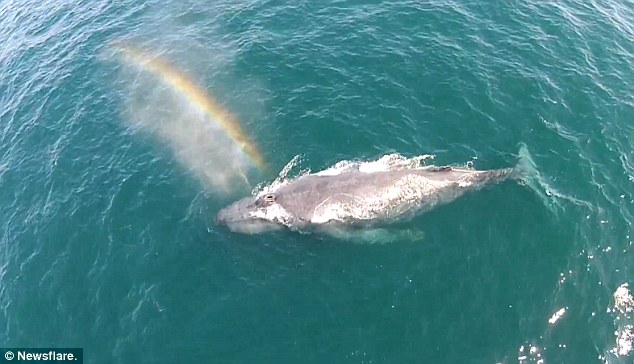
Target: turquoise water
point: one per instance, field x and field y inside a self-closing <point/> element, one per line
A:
<point x="107" y="239"/>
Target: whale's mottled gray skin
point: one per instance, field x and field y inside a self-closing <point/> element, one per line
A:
<point x="354" y="198"/>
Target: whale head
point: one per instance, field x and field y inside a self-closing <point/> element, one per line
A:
<point x="253" y="215"/>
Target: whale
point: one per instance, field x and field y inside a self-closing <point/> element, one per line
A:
<point x="356" y="203"/>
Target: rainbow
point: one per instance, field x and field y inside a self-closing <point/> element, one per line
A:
<point x="198" y="96"/>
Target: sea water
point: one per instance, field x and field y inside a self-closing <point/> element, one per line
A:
<point x="111" y="174"/>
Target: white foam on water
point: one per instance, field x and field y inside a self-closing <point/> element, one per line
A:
<point x="623" y="310"/>
<point x="623" y="300"/>
<point x="557" y="316"/>
<point x="282" y="179"/>
<point x="530" y="353"/>
<point x="389" y="162"/>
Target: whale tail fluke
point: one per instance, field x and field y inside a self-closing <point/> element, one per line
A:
<point x="527" y="173"/>
<point x="525" y="169"/>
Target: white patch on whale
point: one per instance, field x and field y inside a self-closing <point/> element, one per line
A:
<point x="273" y="213"/>
<point x="350" y="207"/>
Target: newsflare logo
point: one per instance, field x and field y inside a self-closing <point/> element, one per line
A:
<point x="42" y="355"/>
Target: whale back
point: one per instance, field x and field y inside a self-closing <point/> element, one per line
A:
<point x="364" y="198"/>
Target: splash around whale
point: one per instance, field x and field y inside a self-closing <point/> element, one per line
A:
<point x="357" y="200"/>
